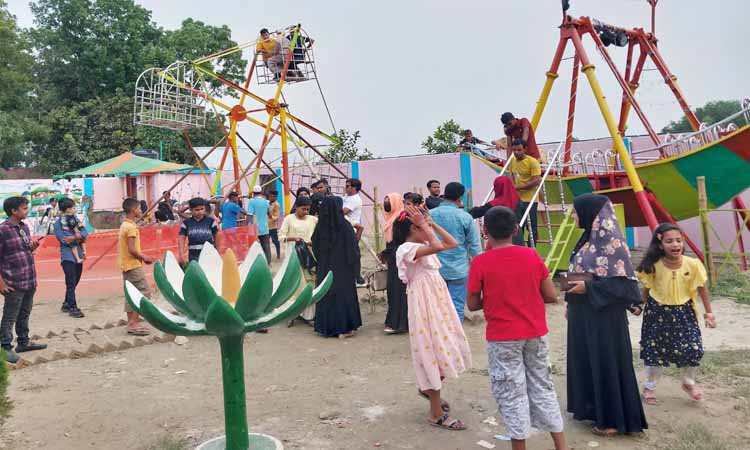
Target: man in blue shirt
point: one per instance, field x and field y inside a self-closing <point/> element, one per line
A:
<point x="72" y="267"/>
<point x="257" y="211"/>
<point x="230" y="211"/>
<point x="455" y="263"/>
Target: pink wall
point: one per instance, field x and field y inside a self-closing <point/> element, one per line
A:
<point x="108" y="193"/>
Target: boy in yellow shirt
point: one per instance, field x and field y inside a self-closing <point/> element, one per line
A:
<point x="130" y="260"/>
<point x="527" y="175"/>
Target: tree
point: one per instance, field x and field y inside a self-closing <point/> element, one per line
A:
<point x="17" y="127"/>
<point x="709" y="113"/>
<point x="97" y="129"/>
<point x="445" y="139"/>
<point x="90" y="53"/>
<point x="344" y="149"/>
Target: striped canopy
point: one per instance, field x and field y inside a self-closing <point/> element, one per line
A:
<point x="126" y="164"/>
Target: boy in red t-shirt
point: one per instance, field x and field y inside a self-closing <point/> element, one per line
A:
<point x="512" y="284"/>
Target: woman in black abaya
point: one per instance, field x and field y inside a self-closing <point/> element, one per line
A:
<point x="335" y="247"/>
<point x="397" y="318"/>
<point x="602" y="386"/>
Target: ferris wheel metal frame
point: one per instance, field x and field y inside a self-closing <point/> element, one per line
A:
<point x="177" y="98"/>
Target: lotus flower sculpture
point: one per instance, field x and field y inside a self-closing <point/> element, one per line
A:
<point x="216" y="297"/>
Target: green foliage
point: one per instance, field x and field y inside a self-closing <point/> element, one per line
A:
<point x="169" y="442"/>
<point x="697" y="437"/>
<point x="709" y="113"/>
<point x="5" y="403"/>
<point x="70" y="105"/>
<point x="90" y="48"/>
<point x="733" y="284"/>
<point x="17" y="129"/>
<point x="345" y="149"/>
<point x="445" y="139"/>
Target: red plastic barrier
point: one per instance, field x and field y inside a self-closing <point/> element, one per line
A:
<point x="104" y="279"/>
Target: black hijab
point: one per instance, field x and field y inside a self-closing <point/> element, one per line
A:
<point x="333" y="230"/>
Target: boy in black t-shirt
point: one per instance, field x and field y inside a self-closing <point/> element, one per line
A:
<point x="196" y="231"/>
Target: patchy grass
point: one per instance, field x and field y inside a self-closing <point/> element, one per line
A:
<point x="169" y="442"/>
<point x="698" y="437"/>
<point x="5" y="403"/>
<point x="733" y="284"/>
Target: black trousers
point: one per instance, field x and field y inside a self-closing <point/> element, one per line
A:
<point x="265" y="244"/>
<point x="16" y="312"/>
<point x="532" y="219"/>
<point x="73" y="274"/>
<point x="275" y="239"/>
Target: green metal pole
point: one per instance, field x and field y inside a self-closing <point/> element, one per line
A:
<point x="161" y="151"/>
<point x="233" y="373"/>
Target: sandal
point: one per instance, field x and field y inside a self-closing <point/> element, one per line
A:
<point x="606" y="432"/>
<point x="693" y="391"/>
<point x="346" y="335"/>
<point x="649" y="397"/>
<point x="139" y="330"/>
<point x="448" y="423"/>
<point x="389" y="330"/>
<point x="445" y="406"/>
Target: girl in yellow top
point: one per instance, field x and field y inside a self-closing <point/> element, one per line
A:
<point x="670" y="333"/>
<point x="300" y="226"/>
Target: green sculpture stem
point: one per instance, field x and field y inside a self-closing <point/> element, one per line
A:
<point x="235" y="411"/>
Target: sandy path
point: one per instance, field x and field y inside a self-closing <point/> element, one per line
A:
<point x="126" y="399"/>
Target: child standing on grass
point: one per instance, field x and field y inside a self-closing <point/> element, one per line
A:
<point x="670" y="333"/>
<point x="439" y="347"/>
<point x="131" y="260"/>
<point x="512" y="284"/>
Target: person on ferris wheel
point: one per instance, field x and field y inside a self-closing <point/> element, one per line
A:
<point x="299" y="53"/>
<point x="270" y="49"/>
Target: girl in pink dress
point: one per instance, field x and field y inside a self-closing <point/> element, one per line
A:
<point x="439" y="347"/>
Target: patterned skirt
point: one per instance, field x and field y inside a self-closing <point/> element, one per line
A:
<point x="670" y="335"/>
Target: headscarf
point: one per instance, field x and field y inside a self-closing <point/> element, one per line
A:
<point x="302" y="189"/>
<point x="397" y="205"/>
<point x="334" y="230"/>
<point x="505" y="193"/>
<point x="602" y="249"/>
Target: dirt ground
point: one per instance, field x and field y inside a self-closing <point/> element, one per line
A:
<point x="311" y="392"/>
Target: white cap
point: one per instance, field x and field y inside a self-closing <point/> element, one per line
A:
<point x="257" y="189"/>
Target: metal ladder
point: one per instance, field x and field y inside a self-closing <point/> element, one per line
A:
<point x="562" y="238"/>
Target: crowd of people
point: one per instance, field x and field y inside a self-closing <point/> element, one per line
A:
<point x="437" y="267"/>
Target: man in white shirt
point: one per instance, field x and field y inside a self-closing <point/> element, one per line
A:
<point x="353" y="213"/>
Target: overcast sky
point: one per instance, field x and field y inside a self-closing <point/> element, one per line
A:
<point x="395" y="70"/>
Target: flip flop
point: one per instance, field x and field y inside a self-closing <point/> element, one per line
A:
<point x="649" y="397"/>
<point x="607" y="432"/>
<point x="693" y="391"/>
<point x="445" y="406"/>
<point x="140" y="330"/>
<point x="448" y="423"/>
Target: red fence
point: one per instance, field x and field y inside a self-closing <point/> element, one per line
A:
<point x="104" y="278"/>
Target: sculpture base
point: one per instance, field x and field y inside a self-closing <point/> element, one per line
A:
<point x="257" y="442"/>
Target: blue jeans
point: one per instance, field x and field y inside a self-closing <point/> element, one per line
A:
<point x="457" y="289"/>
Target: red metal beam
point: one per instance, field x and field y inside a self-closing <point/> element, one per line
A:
<point x="572" y="108"/>
<point x="669" y="78"/>
<point x="623" y="85"/>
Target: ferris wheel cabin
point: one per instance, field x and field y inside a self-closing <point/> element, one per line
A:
<point x="295" y="58"/>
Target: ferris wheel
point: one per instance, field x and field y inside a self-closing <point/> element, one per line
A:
<point x="180" y="96"/>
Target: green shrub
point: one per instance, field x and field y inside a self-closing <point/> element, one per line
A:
<point x="5" y="403"/>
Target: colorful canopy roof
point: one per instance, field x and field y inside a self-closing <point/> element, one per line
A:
<point x="126" y="164"/>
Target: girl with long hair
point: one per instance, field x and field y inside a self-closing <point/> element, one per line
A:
<point x="670" y="333"/>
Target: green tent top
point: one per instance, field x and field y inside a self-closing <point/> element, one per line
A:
<point x="126" y="164"/>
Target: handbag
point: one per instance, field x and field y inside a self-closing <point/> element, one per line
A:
<point x="306" y="258"/>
